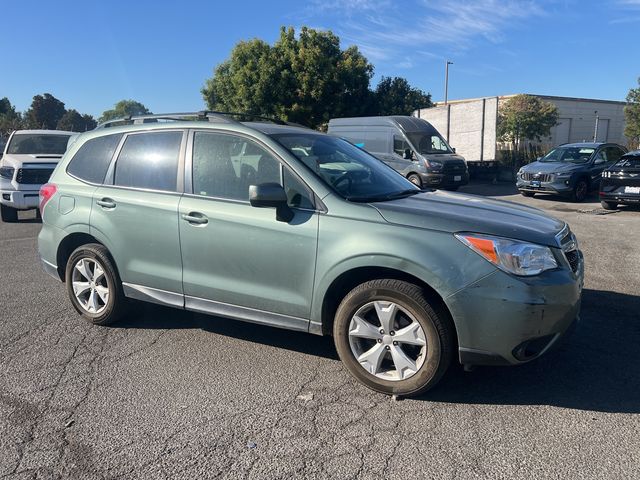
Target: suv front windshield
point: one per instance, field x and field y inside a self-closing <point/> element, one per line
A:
<point x="569" y="154"/>
<point x="38" y="144"/>
<point x="428" y="143"/>
<point x="348" y="170"/>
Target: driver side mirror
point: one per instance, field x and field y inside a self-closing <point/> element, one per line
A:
<point x="408" y="154"/>
<point x="599" y="161"/>
<point x="453" y="149"/>
<point x="271" y="195"/>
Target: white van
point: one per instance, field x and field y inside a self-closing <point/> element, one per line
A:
<point x="410" y="145"/>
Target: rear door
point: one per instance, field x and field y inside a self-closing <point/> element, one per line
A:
<point x="136" y="212"/>
<point x="238" y="258"/>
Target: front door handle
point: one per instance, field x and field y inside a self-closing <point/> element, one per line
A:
<point x="106" y="203"/>
<point x="195" y="218"/>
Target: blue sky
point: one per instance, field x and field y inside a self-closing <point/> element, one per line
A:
<point x="92" y="54"/>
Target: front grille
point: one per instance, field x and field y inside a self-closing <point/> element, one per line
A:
<point x="573" y="257"/>
<point x="34" y="176"/>
<point x="539" y="177"/>
<point x="454" y="166"/>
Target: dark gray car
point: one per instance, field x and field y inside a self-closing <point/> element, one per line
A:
<point x="571" y="170"/>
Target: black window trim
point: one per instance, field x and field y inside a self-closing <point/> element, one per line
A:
<point x="110" y="176"/>
<point x="188" y="169"/>
<point x="115" y="152"/>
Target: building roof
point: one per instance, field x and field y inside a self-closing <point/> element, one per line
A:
<point x="546" y="97"/>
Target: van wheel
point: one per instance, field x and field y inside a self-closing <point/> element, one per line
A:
<point x="8" y="214"/>
<point x="609" y="205"/>
<point x="93" y="285"/>
<point x="415" y="179"/>
<point x="580" y="191"/>
<point x="392" y="338"/>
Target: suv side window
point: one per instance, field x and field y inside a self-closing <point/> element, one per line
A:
<point x="225" y="165"/>
<point x="399" y="145"/>
<point x="91" y="161"/>
<point x="149" y="160"/>
<point x="613" y="154"/>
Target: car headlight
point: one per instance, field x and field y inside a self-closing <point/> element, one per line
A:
<point x="7" y="172"/>
<point x="606" y="174"/>
<point x="563" y="175"/>
<point x="434" y="164"/>
<point x="512" y="256"/>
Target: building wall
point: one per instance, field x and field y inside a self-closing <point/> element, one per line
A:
<point x="461" y="122"/>
<point x="469" y="127"/>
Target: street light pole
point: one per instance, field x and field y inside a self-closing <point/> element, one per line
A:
<point x="446" y="80"/>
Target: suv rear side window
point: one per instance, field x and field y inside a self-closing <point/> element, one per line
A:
<point x="91" y="161"/>
<point x="149" y="160"/>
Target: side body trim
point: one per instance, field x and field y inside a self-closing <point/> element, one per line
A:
<point x="153" y="295"/>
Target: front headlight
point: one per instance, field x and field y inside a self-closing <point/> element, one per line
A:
<point x="434" y="164"/>
<point x="512" y="256"/>
<point x="7" y="172"/>
<point x="563" y="175"/>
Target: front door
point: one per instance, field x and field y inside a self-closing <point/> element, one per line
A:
<point x="238" y="258"/>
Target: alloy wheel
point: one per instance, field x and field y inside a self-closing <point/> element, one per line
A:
<point x="90" y="285"/>
<point x="387" y="340"/>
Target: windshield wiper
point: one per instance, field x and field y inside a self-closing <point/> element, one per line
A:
<point x="388" y="196"/>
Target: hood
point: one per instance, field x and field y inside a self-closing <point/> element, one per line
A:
<point x="455" y="212"/>
<point x="17" y="160"/>
<point x="552" y="167"/>
<point x="442" y="157"/>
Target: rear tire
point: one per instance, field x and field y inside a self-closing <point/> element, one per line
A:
<point x="415" y="179"/>
<point x="527" y="194"/>
<point x="424" y="337"/>
<point x="580" y="191"/>
<point x="609" y="205"/>
<point x="94" y="286"/>
<point x="8" y="214"/>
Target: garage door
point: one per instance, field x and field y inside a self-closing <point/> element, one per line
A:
<point x="562" y="130"/>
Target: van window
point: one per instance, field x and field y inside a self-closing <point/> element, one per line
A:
<point x="149" y="160"/>
<point x="428" y="143"/>
<point x="399" y="145"/>
<point x="91" y="161"/>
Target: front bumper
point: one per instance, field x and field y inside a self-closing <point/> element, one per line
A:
<point x="20" y="199"/>
<point x="506" y="320"/>
<point x="559" y="187"/>
<point x="457" y="179"/>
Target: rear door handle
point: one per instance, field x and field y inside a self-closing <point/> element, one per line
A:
<point x="106" y="203"/>
<point x="195" y="218"/>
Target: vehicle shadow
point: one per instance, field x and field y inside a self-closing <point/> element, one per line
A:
<point x="596" y="368"/>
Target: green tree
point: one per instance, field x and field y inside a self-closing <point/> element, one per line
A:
<point x="394" y="96"/>
<point x="10" y="119"/>
<point x="124" y="108"/>
<point x="632" y="117"/>
<point x="45" y="112"/>
<point x="306" y="79"/>
<point x="525" y="117"/>
<point x="73" y="121"/>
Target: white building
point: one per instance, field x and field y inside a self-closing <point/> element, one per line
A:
<point x="470" y="125"/>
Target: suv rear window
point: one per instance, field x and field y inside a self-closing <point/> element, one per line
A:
<point x="91" y="161"/>
<point x="149" y="160"/>
<point x="629" y="161"/>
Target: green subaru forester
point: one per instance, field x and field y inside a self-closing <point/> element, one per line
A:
<point x="281" y="225"/>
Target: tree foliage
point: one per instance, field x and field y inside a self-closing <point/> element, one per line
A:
<point x="10" y="119"/>
<point x="73" y="121"/>
<point x="526" y="117"/>
<point x="45" y="112"/>
<point x="124" y="108"/>
<point x="394" y="96"/>
<point x="306" y="78"/>
<point x="632" y="117"/>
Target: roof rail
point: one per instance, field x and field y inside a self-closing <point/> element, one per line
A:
<point x="211" y="116"/>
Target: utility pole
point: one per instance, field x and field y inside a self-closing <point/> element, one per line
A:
<point x="446" y="80"/>
<point x="595" y="132"/>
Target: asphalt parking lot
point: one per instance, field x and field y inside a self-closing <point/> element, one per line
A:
<point x="169" y="394"/>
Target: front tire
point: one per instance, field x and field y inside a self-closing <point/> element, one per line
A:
<point x="8" y="214"/>
<point x="527" y="194"/>
<point x="93" y="285"/>
<point x="392" y="338"/>
<point x="415" y="179"/>
<point x="580" y="190"/>
<point x="609" y="205"/>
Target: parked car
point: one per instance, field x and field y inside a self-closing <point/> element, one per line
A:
<point x="621" y="182"/>
<point x="410" y="145"/>
<point x="571" y="170"/>
<point x="285" y="226"/>
<point x="28" y="160"/>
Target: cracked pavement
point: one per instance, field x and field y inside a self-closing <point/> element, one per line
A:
<point x="170" y="394"/>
